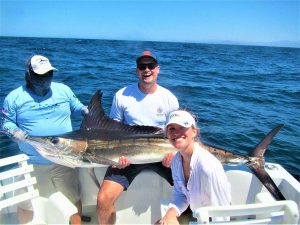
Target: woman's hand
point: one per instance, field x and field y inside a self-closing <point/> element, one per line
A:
<point x="167" y="160"/>
<point x="170" y="218"/>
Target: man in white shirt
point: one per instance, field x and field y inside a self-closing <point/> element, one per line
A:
<point x="142" y="103"/>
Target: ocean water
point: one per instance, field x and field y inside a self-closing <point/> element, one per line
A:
<point x="238" y="93"/>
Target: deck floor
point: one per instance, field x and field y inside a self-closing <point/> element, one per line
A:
<point x="11" y="219"/>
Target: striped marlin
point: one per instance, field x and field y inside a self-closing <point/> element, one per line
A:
<point x="100" y="141"/>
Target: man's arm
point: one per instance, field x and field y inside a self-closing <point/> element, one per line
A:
<point x="9" y="124"/>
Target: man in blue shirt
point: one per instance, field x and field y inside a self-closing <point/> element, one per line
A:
<point x="43" y="108"/>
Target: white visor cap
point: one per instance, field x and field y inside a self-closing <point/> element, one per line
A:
<point x="182" y="118"/>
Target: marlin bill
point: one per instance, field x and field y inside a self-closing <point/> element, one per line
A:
<point x="100" y="141"/>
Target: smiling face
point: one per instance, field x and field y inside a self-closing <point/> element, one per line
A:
<point x="182" y="138"/>
<point x="147" y="72"/>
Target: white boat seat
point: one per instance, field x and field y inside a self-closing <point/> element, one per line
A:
<point x="10" y="181"/>
<point x="277" y="212"/>
<point x="274" y="212"/>
<point x="56" y="209"/>
<point x="264" y="197"/>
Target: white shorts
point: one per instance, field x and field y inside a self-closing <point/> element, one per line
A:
<point x="53" y="178"/>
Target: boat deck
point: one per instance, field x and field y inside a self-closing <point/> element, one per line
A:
<point x="141" y="203"/>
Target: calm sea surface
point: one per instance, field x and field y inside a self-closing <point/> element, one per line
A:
<point x="238" y="93"/>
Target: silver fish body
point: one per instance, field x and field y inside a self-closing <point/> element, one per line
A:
<point x="96" y="148"/>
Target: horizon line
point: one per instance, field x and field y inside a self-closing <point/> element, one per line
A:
<point x="280" y="44"/>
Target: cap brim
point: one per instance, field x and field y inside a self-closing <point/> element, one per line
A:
<point x="146" y="58"/>
<point x="43" y="71"/>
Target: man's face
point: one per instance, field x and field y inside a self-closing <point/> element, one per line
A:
<point x="41" y="82"/>
<point x="147" y="72"/>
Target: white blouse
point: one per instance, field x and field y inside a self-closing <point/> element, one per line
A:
<point x="207" y="184"/>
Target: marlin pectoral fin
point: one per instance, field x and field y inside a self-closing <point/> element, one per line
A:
<point x="96" y="119"/>
<point x="267" y="181"/>
<point x="91" y="172"/>
<point x="260" y="149"/>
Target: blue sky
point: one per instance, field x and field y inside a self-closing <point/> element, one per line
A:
<point x="261" y="22"/>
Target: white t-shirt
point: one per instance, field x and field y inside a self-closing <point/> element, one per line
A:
<point x="132" y="106"/>
<point x="207" y="185"/>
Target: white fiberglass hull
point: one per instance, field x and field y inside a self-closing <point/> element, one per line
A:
<point x="140" y="204"/>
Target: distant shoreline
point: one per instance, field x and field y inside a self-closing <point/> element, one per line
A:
<point x="279" y="44"/>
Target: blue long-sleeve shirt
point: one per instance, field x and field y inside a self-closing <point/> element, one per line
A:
<point x="40" y="115"/>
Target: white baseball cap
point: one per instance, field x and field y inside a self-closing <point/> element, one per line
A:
<point x="182" y="118"/>
<point x="39" y="64"/>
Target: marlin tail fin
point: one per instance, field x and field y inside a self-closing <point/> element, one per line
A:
<point x="257" y="165"/>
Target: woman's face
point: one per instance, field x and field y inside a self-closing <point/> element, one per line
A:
<point x="181" y="137"/>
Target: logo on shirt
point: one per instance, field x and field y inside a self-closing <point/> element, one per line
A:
<point x="160" y="111"/>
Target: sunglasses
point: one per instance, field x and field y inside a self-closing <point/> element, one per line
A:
<point x="143" y="66"/>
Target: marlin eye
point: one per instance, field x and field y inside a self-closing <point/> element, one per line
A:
<point x="54" y="140"/>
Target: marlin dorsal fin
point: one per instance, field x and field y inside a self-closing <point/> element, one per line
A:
<point x="96" y="119"/>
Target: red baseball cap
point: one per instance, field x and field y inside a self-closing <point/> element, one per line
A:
<point x="146" y="57"/>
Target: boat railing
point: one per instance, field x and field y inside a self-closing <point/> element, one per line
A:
<point x="18" y="185"/>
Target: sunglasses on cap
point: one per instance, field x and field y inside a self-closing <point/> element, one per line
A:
<point x="143" y="66"/>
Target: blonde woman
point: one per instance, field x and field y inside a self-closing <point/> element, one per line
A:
<point x="199" y="177"/>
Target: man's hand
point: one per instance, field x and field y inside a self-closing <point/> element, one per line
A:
<point x="84" y="110"/>
<point x="123" y="162"/>
<point x="167" y="160"/>
<point x="18" y="135"/>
